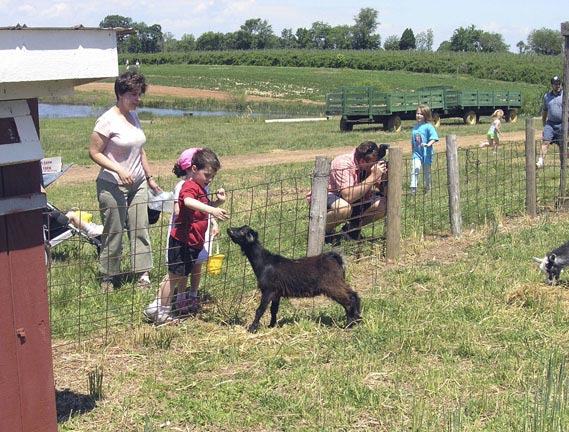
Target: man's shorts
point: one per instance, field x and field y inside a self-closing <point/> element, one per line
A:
<point x="180" y="257"/>
<point x="552" y="132"/>
<point x="359" y="207"/>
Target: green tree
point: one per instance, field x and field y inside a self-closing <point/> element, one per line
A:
<point x="445" y="46"/>
<point x="320" y="34"/>
<point x="364" y="28"/>
<point x="169" y="43"/>
<point x="471" y="39"/>
<point x="407" y="41"/>
<point x="257" y="33"/>
<point x="391" y="43"/>
<point x="288" y="39"/>
<point x="466" y="39"/>
<point x="545" y="41"/>
<point x="522" y="47"/>
<point x="240" y="40"/>
<point x="303" y="38"/>
<point x="149" y="38"/>
<point x="424" y="41"/>
<point x="210" y="41"/>
<point x="117" y="21"/>
<point x="187" y="43"/>
<point x="146" y="39"/>
<point x="493" y="43"/>
<point x="341" y="37"/>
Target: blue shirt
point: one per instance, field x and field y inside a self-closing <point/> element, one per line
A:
<point x="422" y="134"/>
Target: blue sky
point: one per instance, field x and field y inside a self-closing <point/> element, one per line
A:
<point x="513" y="19"/>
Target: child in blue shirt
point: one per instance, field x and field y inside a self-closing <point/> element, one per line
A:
<point x="422" y="140"/>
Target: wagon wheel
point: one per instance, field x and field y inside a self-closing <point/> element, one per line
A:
<point x="512" y="115"/>
<point x="394" y="123"/>
<point x="345" y="126"/>
<point x="436" y="119"/>
<point x="470" y="117"/>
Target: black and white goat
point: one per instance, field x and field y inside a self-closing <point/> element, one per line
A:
<point x="554" y="262"/>
<point x="278" y="277"/>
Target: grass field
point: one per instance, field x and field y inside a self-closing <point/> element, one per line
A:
<point x="475" y="342"/>
<point x="458" y="335"/>
<point x="301" y="83"/>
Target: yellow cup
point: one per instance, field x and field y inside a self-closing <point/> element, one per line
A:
<point x="214" y="264"/>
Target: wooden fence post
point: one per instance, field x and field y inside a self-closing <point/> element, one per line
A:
<point x="453" y="186"/>
<point x="319" y="192"/>
<point x="531" y="191"/>
<point x="563" y="144"/>
<point x="394" y="192"/>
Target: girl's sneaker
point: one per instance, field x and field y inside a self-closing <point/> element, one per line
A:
<point x="193" y="304"/>
<point x="151" y="309"/>
<point x="157" y="314"/>
<point x="182" y="306"/>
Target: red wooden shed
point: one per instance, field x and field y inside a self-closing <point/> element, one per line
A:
<point x="36" y="62"/>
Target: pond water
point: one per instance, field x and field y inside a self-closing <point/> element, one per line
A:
<point x="76" y="111"/>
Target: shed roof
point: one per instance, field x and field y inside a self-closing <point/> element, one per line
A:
<point x="51" y="61"/>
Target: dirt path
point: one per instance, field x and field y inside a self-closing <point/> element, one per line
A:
<point x="184" y="92"/>
<point x="88" y="173"/>
<point x="80" y="173"/>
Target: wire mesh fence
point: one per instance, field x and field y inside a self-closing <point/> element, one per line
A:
<point x="491" y="185"/>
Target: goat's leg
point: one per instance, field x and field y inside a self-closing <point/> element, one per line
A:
<point x="274" y="311"/>
<point x="265" y="300"/>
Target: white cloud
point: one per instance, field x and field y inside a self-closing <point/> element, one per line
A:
<point x="198" y="16"/>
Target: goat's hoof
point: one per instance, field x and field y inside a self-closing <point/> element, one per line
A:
<point x="252" y="329"/>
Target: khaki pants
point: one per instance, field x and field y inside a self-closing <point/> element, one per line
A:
<point x="124" y="207"/>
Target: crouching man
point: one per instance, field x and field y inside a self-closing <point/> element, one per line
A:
<point x="355" y="195"/>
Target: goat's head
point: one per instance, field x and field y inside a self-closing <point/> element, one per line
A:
<point x="243" y="236"/>
<point x="549" y="266"/>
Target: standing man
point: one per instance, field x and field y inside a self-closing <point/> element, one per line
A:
<point x="354" y="196"/>
<point x="551" y="116"/>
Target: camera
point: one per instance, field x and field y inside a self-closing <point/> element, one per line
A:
<point x="382" y="151"/>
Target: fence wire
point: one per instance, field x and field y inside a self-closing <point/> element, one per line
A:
<point x="491" y="186"/>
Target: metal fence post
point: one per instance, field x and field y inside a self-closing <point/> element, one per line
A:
<point x="531" y="190"/>
<point x="317" y="216"/>
<point x="394" y="193"/>
<point x="453" y="186"/>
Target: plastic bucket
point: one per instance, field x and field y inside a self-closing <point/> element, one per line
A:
<point x="214" y="264"/>
<point x="85" y="217"/>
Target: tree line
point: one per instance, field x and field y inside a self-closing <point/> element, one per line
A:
<point x="257" y="34"/>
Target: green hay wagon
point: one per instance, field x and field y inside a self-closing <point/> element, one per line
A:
<point x="367" y="105"/>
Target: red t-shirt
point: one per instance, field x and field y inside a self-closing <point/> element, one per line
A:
<point x="190" y="225"/>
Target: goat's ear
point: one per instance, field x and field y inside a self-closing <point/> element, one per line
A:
<point x="251" y="236"/>
<point x="538" y="260"/>
<point x="551" y="258"/>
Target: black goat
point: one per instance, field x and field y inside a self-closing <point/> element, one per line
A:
<point x="553" y="263"/>
<point x="278" y="277"/>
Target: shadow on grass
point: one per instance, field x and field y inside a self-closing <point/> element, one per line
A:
<point x="70" y="404"/>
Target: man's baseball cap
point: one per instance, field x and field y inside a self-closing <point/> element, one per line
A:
<point x="555" y="80"/>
